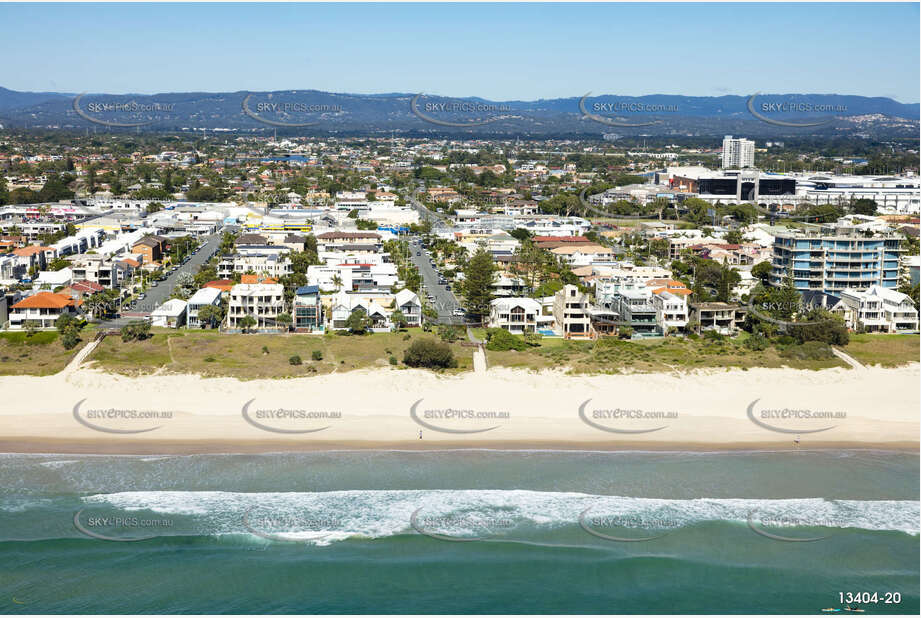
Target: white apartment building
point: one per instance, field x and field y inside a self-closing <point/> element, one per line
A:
<point x="352" y="276"/>
<point x="738" y="153"/>
<point x="571" y="312"/>
<point x="272" y="265"/>
<point x="263" y="301"/>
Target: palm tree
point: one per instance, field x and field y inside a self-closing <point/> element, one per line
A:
<point x="337" y="281"/>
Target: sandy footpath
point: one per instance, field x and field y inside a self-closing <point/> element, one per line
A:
<point x="94" y="412"/>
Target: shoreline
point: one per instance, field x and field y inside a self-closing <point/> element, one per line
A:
<point x="504" y="409"/>
<point x="46" y="446"/>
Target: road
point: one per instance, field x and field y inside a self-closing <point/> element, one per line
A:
<point x="445" y="302"/>
<point x="439" y="223"/>
<point x="156" y="296"/>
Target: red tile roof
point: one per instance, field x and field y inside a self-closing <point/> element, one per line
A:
<point x="45" y="300"/>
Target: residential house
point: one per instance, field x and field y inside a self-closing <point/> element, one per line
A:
<point x="205" y="297"/>
<point x="570" y="311"/>
<point x="877" y="310"/>
<point x="724" y="318"/>
<point x="518" y="315"/>
<point x="43" y="309"/>
<point x="308" y="309"/>
<point x="407" y="302"/>
<point x="171" y="314"/>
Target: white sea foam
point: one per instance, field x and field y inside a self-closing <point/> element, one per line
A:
<point x="324" y="517"/>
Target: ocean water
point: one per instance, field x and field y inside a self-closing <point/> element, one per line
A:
<point x="459" y="532"/>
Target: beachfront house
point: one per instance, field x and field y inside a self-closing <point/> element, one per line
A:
<point x="308" y="309"/>
<point x="205" y="297"/>
<point x="724" y="318"/>
<point x="409" y="304"/>
<point x="518" y="315"/>
<point x="41" y="309"/>
<point x="171" y="314"/>
<point x="877" y="310"/>
<point x="570" y="311"/>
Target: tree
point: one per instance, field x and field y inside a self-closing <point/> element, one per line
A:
<point x="864" y="206"/>
<point x="210" y="315"/>
<point x="478" y="280"/>
<point x="358" y="322"/>
<point x="762" y="271"/>
<point x="429" y="353"/>
<point x="821" y="325"/>
<point x="247" y="322"/>
<point x="284" y="319"/>
<point x="398" y="319"/>
<point x="733" y="237"/>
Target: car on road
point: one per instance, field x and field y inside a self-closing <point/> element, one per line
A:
<point x="154" y="284"/>
<point x="459" y="312"/>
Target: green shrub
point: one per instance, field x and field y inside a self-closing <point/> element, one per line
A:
<point x="265" y="349"/>
<point x="317" y="355"/>
<point x="756" y="343"/>
<point x="393" y="360"/>
<point x="295" y="360"/>
<point x="135" y="331"/>
<point x="429" y="353"/>
<point x="500" y="340"/>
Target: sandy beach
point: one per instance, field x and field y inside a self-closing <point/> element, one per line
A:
<point x="88" y="411"/>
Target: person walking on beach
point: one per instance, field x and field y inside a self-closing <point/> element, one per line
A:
<point x="796" y="441"/>
<point x="420" y="434"/>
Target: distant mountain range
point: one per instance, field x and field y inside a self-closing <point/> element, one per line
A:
<point x="312" y="112"/>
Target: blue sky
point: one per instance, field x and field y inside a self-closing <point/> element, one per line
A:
<point x="505" y="51"/>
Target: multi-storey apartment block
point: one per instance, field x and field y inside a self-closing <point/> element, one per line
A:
<point x="832" y="262"/>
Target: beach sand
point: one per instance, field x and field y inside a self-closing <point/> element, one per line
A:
<point x="502" y="409"/>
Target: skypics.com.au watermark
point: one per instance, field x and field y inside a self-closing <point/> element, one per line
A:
<point x="762" y="109"/>
<point x="457" y="113"/>
<point x="780" y="527"/>
<point x="457" y="420"/>
<point x="291" y="527"/>
<point x="115" y="113"/>
<point x="625" y="420"/>
<point x="460" y="527"/>
<point x="782" y="313"/>
<point x="122" y="528"/>
<point x="620" y="108"/>
<point x="288" y="420"/>
<point x="278" y="112"/>
<point x="793" y="420"/>
<point x="119" y="420"/>
<point x="626" y="528"/>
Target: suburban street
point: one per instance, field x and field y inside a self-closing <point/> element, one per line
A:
<point x="156" y="296"/>
<point x="445" y="302"/>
